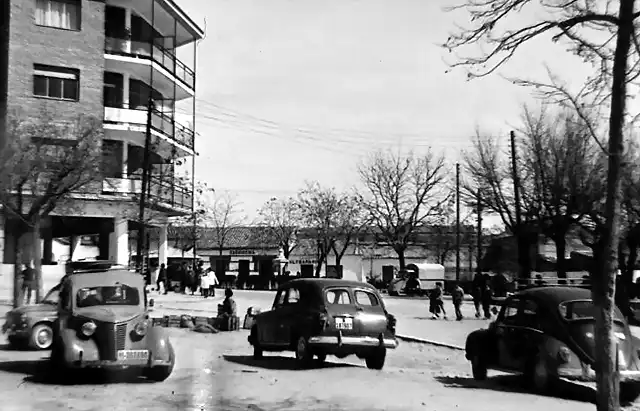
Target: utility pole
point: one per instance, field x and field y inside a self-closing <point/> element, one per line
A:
<point x="479" y="234"/>
<point x="516" y="194"/>
<point x="457" y="221"/>
<point x="143" y="190"/>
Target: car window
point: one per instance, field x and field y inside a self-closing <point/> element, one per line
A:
<point x="511" y="310"/>
<point x="529" y="314"/>
<point x="338" y="296"/>
<point x="65" y="300"/>
<point x="279" y="301"/>
<point x="366" y="298"/>
<point x="52" y="297"/>
<point x="293" y="296"/>
<point x="107" y="295"/>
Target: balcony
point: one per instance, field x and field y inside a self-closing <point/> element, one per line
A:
<point x="165" y="193"/>
<point x="135" y="57"/>
<point x="163" y="123"/>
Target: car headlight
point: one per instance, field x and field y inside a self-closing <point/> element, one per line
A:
<point x="141" y="328"/>
<point x="88" y="328"/>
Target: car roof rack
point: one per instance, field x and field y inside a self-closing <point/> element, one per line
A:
<point x="94" y="266"/>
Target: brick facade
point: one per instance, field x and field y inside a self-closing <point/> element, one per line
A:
<point x="30" y="44"/>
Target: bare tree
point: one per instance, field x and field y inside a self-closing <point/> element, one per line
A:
<point x="607" y="37"/>
<point x="561" y="161"/>
<point x="43" y="162"/>
<point x="281" y="218"/>
<point x="351" y="219"/>
<point x="403" y="192"/>
<point x="222" y="216"/>
<point x="320" y="208"/>
<point x="187" y="229"/>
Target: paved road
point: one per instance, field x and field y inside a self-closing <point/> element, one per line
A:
<point x="215" y="372"/>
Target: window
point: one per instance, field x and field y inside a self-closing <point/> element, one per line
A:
<point x="61" y="14"/>
<point x="110" y="295"/>
<point x="511" y="310"/>
<point x="293" y="296"/>
<point x="113" y="89"/>
<point x="338" y="296"/>
<point x="56" y="82"/>
<point x="280" y="298"/>
<point x="366" y="298"/>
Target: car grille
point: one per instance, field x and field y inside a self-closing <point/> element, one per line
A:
<point x="105" y="338"/>
<point x="121" y="336"/>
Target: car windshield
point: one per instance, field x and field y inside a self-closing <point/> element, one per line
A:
<point x="52" y="296"/>
<point x="118" y="294"/>
<point x="582" y="310"/>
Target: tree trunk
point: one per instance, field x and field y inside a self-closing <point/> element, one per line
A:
<point x="401" y="258"/>
<point x="604" y="284"/>
<point x="561" y="249"/>
<point x="17" y="265"/>
<point x="524" y="255"/>
<point x="36" y="252"/>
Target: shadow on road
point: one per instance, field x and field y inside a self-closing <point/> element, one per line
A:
<point x="516" y="384"/>
<point x="279" y="362"/>
<point x="40" y="372"/>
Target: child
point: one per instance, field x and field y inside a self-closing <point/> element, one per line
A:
<point x="457" y="296"/>
<point x="435" y="302"/>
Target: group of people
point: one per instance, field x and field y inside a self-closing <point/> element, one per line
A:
<point x="190" y="278"/>
<point x="482" y="293"/>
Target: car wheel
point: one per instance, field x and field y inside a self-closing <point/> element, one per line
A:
<point x="478" y="367"/>
<point x="257" y="349"/>
<point x="376" y="360"/>
<point x="539" y="376"/>
<point x="41" y="337"/>
<point x="303" y="352"/>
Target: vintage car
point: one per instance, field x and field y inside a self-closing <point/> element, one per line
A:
<point x="32" y="325"/>
<point x="103" y="322"/>
<point x="547" y="333"/>
<point x="320" y="317"/>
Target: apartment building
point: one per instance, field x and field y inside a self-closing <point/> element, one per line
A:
<point x="120" y="61"/>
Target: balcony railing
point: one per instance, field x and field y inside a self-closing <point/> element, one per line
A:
<point x="162" y="121"/>
<point x="164" y="191"/>
<point x="164" y="57"/>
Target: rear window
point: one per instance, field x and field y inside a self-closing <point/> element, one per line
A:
<point x="366" y="298"/>
<point x="338" y="296"/>
<point x="581" y="310"/>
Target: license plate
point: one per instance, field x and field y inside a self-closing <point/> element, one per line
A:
<point x="133" y="355"/>
<point x="344" y="323"/>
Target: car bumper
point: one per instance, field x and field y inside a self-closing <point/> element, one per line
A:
<point x="340" y="341"/>
<point x="14" y="331"/>
<point x="589" y="375"/>
<point x="117" y="365"/>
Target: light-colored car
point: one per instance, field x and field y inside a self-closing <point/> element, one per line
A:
<point x="103" y="322"/>
<point x="32" y="325"/>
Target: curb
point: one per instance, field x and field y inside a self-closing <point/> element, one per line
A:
<point x="410" y="338"/>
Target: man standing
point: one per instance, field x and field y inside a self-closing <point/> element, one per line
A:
<point x="478" y="288"/>
<point x="458" y="297"/>
<point x="162" y="279"/>
<point x="28" y="280"/>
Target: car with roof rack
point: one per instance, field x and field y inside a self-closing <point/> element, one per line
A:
<point x="320" y="317"/>
<point x="32" y="325"/>
<point x="103" y="322"/>
<point x="547" y="333"/>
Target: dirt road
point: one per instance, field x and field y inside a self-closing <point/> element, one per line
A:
<point x="216" y="372"/>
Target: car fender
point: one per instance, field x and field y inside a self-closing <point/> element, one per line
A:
<point x="159" y="344"/>
<point x="73" y="345"/>
<point x="477" y="341"/>
<point x="45" y="319"/>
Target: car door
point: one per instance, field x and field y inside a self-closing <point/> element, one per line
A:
<point x="526" y="333"/>
<point x="370" y="317"/>
<point x="506" y="335"/>
<point x="268" y="324"/>
<point x="288" y="315"/>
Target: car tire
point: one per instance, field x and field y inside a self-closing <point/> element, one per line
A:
<point x="478" y="367"/>
<point x="41" y="337"/>
<point x="304" y="355"/>
<point x="538" y="375"/>
<point x="375" y="361"/>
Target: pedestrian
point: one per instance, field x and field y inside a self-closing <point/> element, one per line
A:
<point x="213" y="281"/>
<point x="477" y="287"/>
<point x="184" y="278"/>
<point x="458" y="297"/>
<point x="440" y="300"/>
<point x="487" y="299"/>
<point x="162" y="279"/>
<point x="204" y="284"/>
<point x="435" y="302"/>
<point x="28" y="282"/>
<point x="228" y="308"/>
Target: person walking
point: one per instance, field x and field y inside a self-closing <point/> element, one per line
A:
<point x="477" y="287"/>
<point x="204" y="284"/>
<point x="487" y="299"/>
<point x="28" y="282"/>
<point x="162" y="279"/>
<point x="458" y="297"/>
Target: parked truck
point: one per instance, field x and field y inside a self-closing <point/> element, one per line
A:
<point x="416" y="279"/>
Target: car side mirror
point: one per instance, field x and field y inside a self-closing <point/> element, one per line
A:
<point x="152" y="302"/>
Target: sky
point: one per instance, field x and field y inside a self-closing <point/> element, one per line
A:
<point x="290" y="91"/>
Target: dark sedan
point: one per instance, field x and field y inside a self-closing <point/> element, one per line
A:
<point x="31" y="325"/>
<point x="320" y="317"/>
<point x="547" y="333"/>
